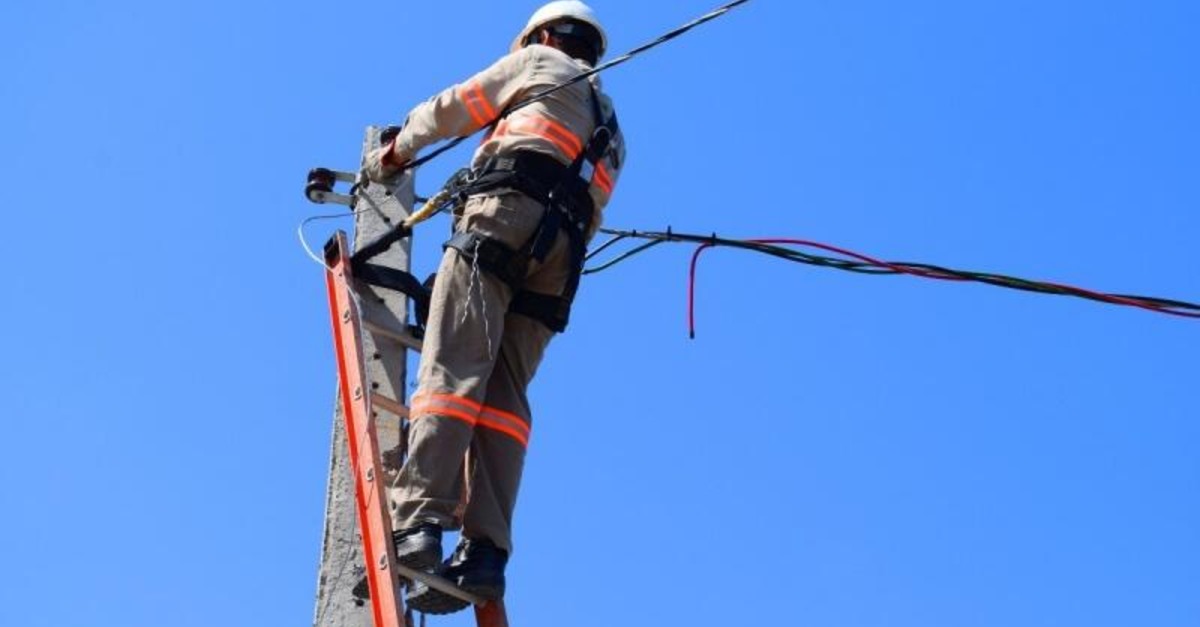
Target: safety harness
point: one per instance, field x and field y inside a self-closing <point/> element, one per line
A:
<point x="562" y="190"/>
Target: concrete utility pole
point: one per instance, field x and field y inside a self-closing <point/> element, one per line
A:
<point x="341" y="551"/>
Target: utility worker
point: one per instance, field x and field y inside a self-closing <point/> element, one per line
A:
<point x="541" y="179"/>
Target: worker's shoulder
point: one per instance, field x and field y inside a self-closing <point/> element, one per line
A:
<point x="535" y="60"/>
<point x="552" y="58"/>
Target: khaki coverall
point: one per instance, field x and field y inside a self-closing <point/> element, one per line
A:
<point x="478" y="358"/>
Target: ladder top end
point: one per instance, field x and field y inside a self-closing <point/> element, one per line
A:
<point x="333" y="249"/>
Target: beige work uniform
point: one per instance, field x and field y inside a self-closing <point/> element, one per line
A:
<point x="470" y="406"/>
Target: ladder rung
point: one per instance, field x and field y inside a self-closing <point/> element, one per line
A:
<point x="389" y="405"/>
<point x="403" y="336"/>
<point x="441" y="585"/>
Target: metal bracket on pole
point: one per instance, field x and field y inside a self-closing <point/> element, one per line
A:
<point x="319" y="187"/>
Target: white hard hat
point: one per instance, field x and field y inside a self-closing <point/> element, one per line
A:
<point x="562" y="10"/>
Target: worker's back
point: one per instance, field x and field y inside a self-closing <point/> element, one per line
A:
<point x="559" y="124"/>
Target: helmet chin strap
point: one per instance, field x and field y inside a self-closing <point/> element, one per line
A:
<point x="539" y="36"/>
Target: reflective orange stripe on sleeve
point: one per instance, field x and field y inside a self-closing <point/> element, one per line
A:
<point x="477" y="103"/>
<point x="602" y="179"/>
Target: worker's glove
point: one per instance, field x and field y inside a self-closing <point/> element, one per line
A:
<point x="383" y="163"/>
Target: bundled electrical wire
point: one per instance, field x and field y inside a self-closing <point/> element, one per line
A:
<point x="790" y="250"/>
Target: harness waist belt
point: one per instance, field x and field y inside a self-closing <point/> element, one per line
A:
<point x="568" y="207"/>
<point x="542" y="178"/>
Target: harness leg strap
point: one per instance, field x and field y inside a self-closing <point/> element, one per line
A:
<point x="552" y="311"/>
<point x="511" y="266"/>
<point x="493" y="256"/>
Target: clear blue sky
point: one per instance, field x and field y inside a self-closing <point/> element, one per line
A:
<point x="833" y="449"/>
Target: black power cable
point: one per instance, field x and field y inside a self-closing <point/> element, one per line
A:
<point x="784" y="248"/>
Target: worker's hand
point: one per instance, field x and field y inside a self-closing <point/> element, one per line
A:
<point x="382" y="163"/>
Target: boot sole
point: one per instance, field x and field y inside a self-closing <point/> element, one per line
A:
<point x="426" y="600"/>
<point x="429" y="601"/>
<point x="424" y="561"/>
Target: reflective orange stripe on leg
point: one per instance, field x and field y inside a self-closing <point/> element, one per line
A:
<point x="505" y="422"/>
<point x="448" y="405"/>
<point x="472" y="413"/>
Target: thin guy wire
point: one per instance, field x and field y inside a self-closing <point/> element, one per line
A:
<point x="712" y="15"/>
<point x="329" y="216"/>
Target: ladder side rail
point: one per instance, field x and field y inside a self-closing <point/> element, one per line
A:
<point x="491" y="614"/>
<point x="369" y="321"/>
<point x="370" y="495"/>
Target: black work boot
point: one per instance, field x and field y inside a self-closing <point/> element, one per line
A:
<point x="477" y="566"/>
<point x="419" y="547"/>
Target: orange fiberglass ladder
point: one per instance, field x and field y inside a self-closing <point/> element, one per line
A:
<point x="354" y="309"/>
